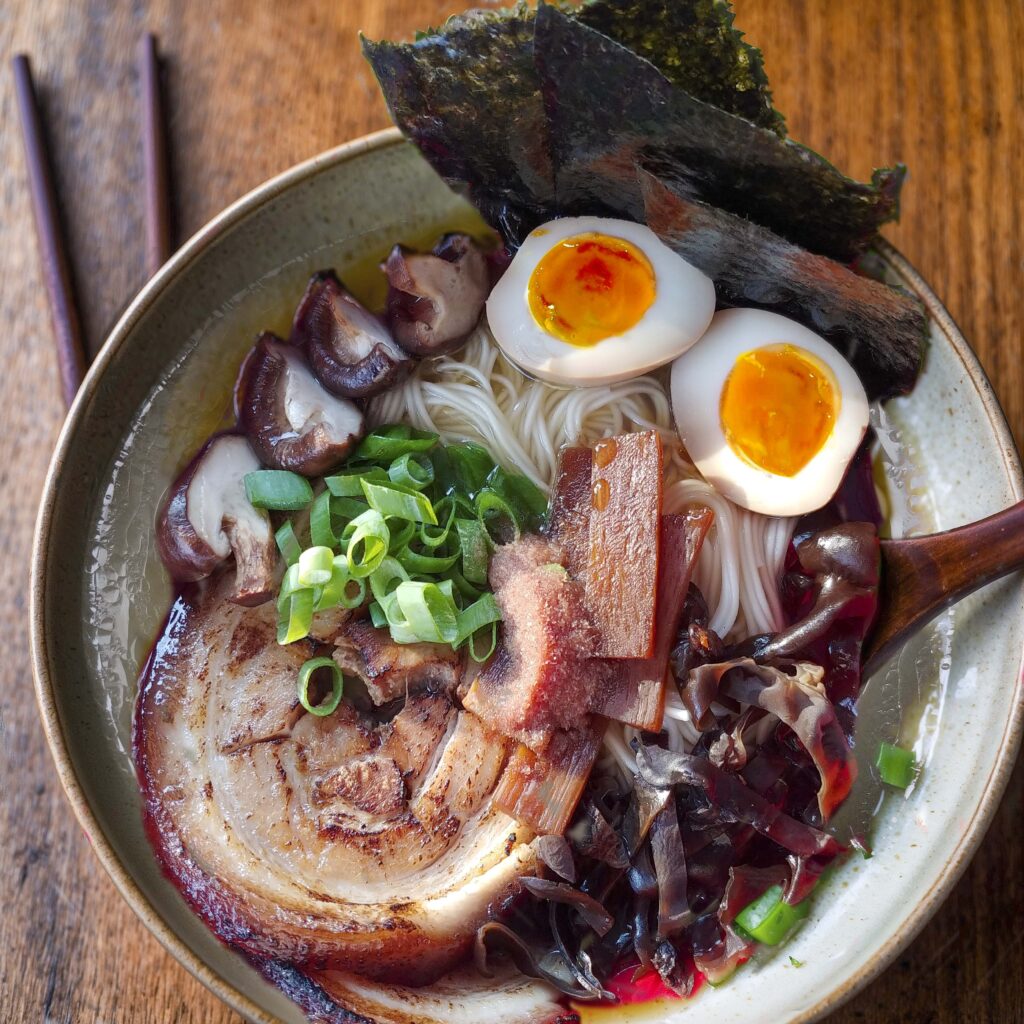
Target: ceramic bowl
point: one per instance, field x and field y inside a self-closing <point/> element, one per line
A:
<point x="162" y="383"/>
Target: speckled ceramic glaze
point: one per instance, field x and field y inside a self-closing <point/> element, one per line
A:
<point x="162" y="383"/>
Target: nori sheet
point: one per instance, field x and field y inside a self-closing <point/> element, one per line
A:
<point x="469" y="97"/>
<point x="537" y="115"/>
<point x="694" y="44"/>
<point x="704" y="153"/>
<point x="879" y="329"/>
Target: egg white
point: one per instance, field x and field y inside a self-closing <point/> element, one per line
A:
<point x="698" y="379"/>
<point x="683" y="305"/>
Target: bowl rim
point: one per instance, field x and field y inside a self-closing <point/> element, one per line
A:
<point x="44" y="682"/>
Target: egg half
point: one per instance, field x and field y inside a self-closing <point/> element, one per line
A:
<point x="769" y="412"/>
<point x="593" y="300"/>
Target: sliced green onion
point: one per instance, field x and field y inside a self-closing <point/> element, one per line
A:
<point x="481" y="613"/>
<point x="390" y="571"/>
<point x="288" y="544"/>
<point x="518" y="491"/>
<point x="493" y="510"/>
<point x="402" y="531"/>
<point x="471" y="464"/>
<point x="289" y="584"/>
<point x="346" y="509"/>
<point x="389" y="442"/>
<point x="390" y="500"/>
<point x="368" y="537"/>
<point x="409" y="471"/>
<point x="339" y="591"/>
<point x="896" y="765"/>
<point x="394" y="618"/>
<point x="306" y="674"/>
<point x="428" y="611"/>
<point x="295" y="615"/>
<point x="321" y="527"/>
<point x="465" y="589"/>
<point x="277" y="489"/>
<point x="490" y="635"/>
<point x="435" y="536"/>
<point x="474" y="545"/>
<point x="420" y="564"/>
<point x="349" y="485"/>
<point x="769" y="919"/>
<point x="315" y="566"/>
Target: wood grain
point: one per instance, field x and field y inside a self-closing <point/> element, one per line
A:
<point x="255" y="85"/>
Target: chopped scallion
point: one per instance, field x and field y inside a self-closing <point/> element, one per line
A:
<point x="471" y="465"/>
<point x="391" y="500"/>
<point x="278" y="489"/>
<point x="428" y="612"/>
<point x="475" y="548"/>
<point x="367" y="537"/>
<point x="481" y="613"/>
<point x="497" y="516"/>
<point x="409" y="471"/>
<point x="295" y="615"/>
<point x="389" y="442"/>
<point x="421" y="564"/>
<point x="896" y="765"/>
<point x="306" y="673"/>
<point x="288" y="544"/>
<point x="349" y="483"/>
<point x="769" y="919"/>
<point x="315" y="566"/>
<point x="321" y="529"/>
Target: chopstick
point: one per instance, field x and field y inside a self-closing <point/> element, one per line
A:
<point x="72" y="357"/>
<point x="67" y="324"/>
<point x="154" y="149"/>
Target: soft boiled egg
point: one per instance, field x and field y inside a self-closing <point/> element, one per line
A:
<point x="592" y="300"/>
<point x="769" y="412"/>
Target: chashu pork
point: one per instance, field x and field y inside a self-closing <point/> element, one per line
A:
<point x="332" y="842"/>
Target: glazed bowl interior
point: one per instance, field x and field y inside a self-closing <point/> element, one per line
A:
<point x="163" y="383"/>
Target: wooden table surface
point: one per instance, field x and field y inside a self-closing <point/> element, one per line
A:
<point x="256" y="85"/>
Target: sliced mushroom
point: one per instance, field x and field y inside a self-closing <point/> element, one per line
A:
<point x="435" y="299"/>
<point x="350" y="350"/>
<point x="292" y="421"/>
<point x="208" y="518"/>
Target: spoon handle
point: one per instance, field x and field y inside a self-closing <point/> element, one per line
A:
<point x="923" y="575"/>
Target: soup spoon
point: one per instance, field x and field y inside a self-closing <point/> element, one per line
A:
<point x="921" y="576"/>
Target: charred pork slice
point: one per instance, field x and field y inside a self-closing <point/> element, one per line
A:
<point x="392" y="670"/>
<point x="335" y="841"/>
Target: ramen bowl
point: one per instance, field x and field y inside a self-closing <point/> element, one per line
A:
<point x="162" y="384"/>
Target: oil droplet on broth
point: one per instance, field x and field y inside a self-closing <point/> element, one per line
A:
<point x="605" y="451"/>
<point x="600" y="494"/>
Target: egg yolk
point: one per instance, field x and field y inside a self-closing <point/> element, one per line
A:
<point x="778" y="408"/>
<point x="591" y="287"/>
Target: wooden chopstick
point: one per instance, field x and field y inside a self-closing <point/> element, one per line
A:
<point x="67" y="324"/>
<point x="72" y="357"/>
<point x="154" y="148"/>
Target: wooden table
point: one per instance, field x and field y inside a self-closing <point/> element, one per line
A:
<point x="256" y="85"/>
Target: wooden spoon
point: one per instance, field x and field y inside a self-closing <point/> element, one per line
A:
<point x="923" y="575"/>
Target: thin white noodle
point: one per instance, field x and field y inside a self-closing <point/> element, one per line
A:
<point x="477" y="395"/>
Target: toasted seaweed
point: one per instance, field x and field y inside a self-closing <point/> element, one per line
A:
<point x="879" y="329"/>
<point x="694" y="44"/>
<point x="540" y="114"/>
<point x="468" y="96"/>
<point x="701" y="151"/>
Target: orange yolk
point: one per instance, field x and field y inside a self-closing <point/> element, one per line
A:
<point x="591" y="287"/>
<point x="778" y="408"/>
